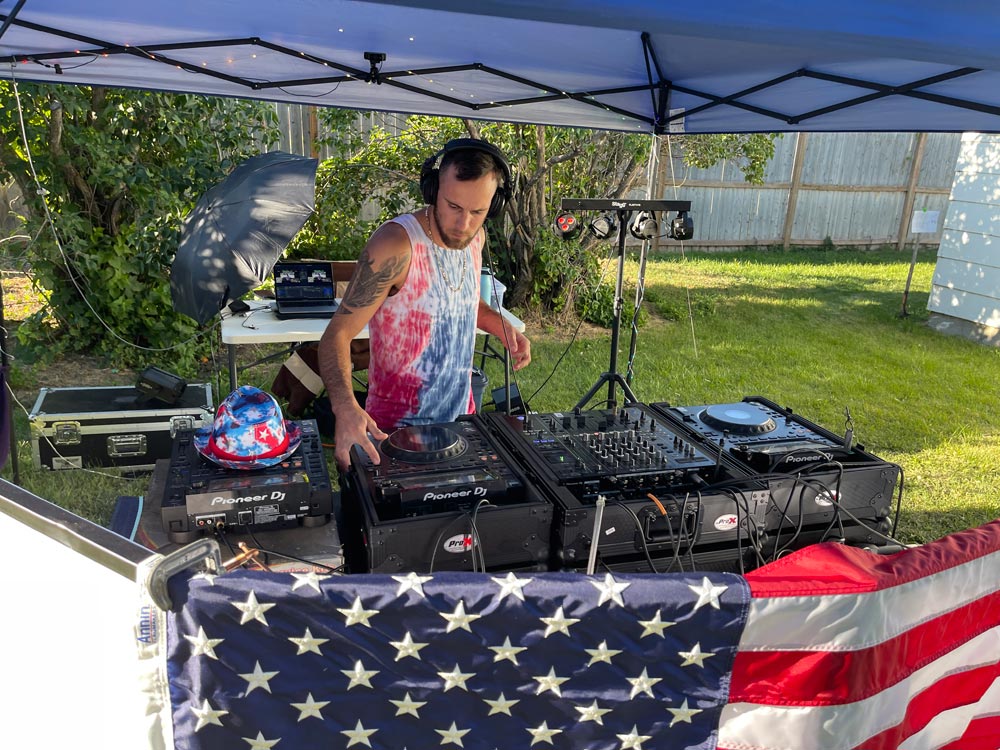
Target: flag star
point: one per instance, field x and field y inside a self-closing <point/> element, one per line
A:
<point x="633" y="740"/>
<point x="683" y="713"/>
<point x="207" y="715"/>
<point x="592" y="713"/>
<point x="408" y="706"/>
<point x="260" y="743"/>
<point x="542" y="733"/>
<point x="411" y="582"/>
<point x="357" y="613"/>
<point x="506" y="651"/>
<point x="549" y="682"/>
<point x="309" y="579"/>
<point x="359" y="735"/>
<point x="611" y="590"/>
<point x="203" y="576"/>
<point x="558" y="623"/>
<point x="601" y="653"/>
<point x="310" y="707"/>
<point x="459" y="618"/>
<point x="203" y="645"/>
<point x="656" y="626"/>
<point x="707" y="594"/>
<point x="257" y="679"/>
<point x="643" y="684"/>
<point x="308" y="643"/>
<point x="252" y="610"/>
<point x="359" y="675"/>
<point x="452" y="734"/>
<point x="501" y="705"/>
<point x="455" y="678"/>
<point x="407" y="647"/>
<point x="694" y="656"/>
<point x="511" y="586"/>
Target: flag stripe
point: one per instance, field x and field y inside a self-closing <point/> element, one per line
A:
<point x="842" y="727"/>
<point x="981" y="735"/>
<point x="835" y="568"/>
<point x="951" y="692"/>
<point x="810" y="678"/>
<point x="831" y="622"/>
<point x="953" y="724"/>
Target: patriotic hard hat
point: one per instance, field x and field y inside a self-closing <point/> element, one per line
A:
<point x="249" y="432"/>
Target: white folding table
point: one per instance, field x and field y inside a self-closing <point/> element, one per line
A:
<point x="259" y="325"/>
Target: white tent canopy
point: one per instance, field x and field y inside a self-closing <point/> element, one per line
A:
<point x="635" y="65"/>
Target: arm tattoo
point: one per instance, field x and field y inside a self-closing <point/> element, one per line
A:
<point x="369" y="283"/>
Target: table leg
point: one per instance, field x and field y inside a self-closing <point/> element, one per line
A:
<point x="232" y="366"/>
<point x="506" y="377"/>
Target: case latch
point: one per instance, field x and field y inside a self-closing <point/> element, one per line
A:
<point x="66" y="433"/>
<point x="180" y="423"/>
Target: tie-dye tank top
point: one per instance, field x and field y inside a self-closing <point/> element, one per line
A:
<point x="423" y="337"/>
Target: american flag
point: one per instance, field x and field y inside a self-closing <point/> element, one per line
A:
<point x="829" y="647"/>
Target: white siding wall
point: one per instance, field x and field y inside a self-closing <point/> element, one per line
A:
<point x="966" y="283"/>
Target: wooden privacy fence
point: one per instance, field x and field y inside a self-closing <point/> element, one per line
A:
<point x="856" y="189"/>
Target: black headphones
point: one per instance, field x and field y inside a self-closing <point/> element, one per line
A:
<point x="429" y="173"/>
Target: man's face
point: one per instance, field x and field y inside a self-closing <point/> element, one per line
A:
<point x="462" y="206"/>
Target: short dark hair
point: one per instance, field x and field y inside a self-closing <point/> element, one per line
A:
<point x="471" y="164"/>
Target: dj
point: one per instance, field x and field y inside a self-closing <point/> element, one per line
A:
<point x="416" y="287"/>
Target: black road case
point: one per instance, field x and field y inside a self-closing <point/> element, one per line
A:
<point x="72" y="428"/>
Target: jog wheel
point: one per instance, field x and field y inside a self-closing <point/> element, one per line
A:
<point x="741" y="419"/>
<point x="424" y="444"/>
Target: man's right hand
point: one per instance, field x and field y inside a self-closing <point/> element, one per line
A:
<point x="353" y="427"/>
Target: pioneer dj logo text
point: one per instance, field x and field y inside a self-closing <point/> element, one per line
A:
<point x="811" y="457"/>
<point x="275" y="496"/>
<point x="474" y="492"/>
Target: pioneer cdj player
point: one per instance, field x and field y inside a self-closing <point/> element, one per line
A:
<point x="655" y="477"/>
<point x="822" y="485"/>
<point x="200" y="496"/>
<point x="443" y="497"/>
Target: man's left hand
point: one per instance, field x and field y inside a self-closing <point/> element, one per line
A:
<point x="520" y="350"/>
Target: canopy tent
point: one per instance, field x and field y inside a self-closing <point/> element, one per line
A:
<point x="633" y="65"/>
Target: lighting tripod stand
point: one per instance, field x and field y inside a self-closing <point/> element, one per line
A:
<point x="623" y="209"/>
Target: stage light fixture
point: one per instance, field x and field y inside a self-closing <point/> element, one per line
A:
<point x="567" y="226"/>
<point x="604" y="226"/>
<point x="644" y="225"/>
<point x="682" y="226"/>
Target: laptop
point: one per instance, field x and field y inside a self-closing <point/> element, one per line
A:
<point x="304" y="289"/>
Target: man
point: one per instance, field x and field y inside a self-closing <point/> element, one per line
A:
<point x="416" y="287"/>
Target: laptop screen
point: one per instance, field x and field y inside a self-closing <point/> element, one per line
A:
<point x="300" y="284"/>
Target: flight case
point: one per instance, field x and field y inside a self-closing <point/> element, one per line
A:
<point x="110" y="426"/>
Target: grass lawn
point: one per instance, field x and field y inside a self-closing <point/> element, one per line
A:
<point x="820" y="332"/>
<point x="815" y="330"/>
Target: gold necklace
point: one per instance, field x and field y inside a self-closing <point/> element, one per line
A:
<point x="441" y="253"/>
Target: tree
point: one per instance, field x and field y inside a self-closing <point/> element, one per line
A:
<point x="117" y="171"/>
<point x="375" y="175"/>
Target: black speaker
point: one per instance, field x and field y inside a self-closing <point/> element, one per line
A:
<point x="430" y="172"/>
